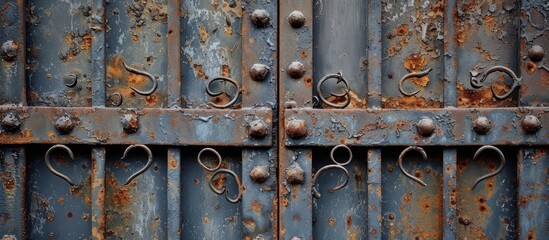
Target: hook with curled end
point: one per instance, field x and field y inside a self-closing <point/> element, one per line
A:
<point x="339" y="78"/>
<point x="401" y="157"/>
<point x="336" y="165"/>
<point x="112" y="98"/>
<point x="150" y="76"/>
<point x="412" y="75"/>
<point x="494" y="173"/>
<point x="50" y="167"/>
<point x="477" y="83"/>
<point x="215" y="94"/>
<point x="143" y="169"/>
<point x="218" y="170"/>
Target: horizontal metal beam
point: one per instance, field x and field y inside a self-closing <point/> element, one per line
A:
<point x="181" y="127"/>
<point x="386" y="127"/>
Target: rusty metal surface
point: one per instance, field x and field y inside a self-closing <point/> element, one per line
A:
<point x="12" y="68"/>
<point x="395" y="127"/>
<point x="13" y="178"/>
<point x="155" y="126"/>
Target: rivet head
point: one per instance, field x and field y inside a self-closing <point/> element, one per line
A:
<point x="482" y="125"/>
<point x="9" y="50"/>
<point x="530" y="124"/>
<point x="70" y="80"/>
<point x="295" y="175"/>
<point x="296" y="128"/>
<point x="64" y="124"/>
<point x="296" y="19"/>
<point x="536" y="53"/>
<point x="260" y="18"/>
<point x="258" y="129"/>
<point x="426" y="127"/>
<point x="259" y="174"/>
<point x="130" y="123"/>
<point x="290" y="104"/>
<point x="295" y="70"/>
<point x="259" y="72"/>
<point x="11" y="122"/>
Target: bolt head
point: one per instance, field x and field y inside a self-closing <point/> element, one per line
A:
<point x="70" y="80"/>
<point x="64" y="124"/>
<point x="130" y="123"/>
<point x="296" y="128"/>
<point x="482" y="125"/>
<point x="259" y="174"/>
<point x="296" y="19"/>
<point x="11" y="122"/>
<point x="260" y="18"/>
<point x="258" y="129"/>
<point x="426" y="127"/>
<point x="9" y="50"/>
<point x="290" y="104"/>
<point x="531" y="124"/>
<point x="259" y="72"/>
<point x="295" y="70"/>
<point x="295" y="175"/>
<point x="536" y="53"/>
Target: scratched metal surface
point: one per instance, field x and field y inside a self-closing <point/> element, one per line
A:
<point x="12" y="71"/>
<point x="54" y="209"/>
<point x="12" y="194"/>
<point x="533" y="196"/>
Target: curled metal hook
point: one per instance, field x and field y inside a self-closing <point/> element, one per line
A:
<point x="336" y="165"/>
<point x="476" y="83"/>
<point x="116" y="103"/>
<point x="498" y="170"/>
<point x="150" y="76"/>
<point x="215" y="94"/>
<point x="50" y="167"/>
<point x="411" y="75"/>
<point x="218" y="170"/>
<point x="143" y="169"/>
<point x="339" y="78"/>
<point x="401" y="157"/>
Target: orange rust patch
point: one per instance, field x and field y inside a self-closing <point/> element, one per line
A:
<point x="409" y="103"/>
<point x="331" y="221"/>
<point x="482" y="97"/>
<point x="308" y="80"/>
<point x="256" y="206"/>
<point x="402" y="29"/>
<point x="122" y="197"/>
<point x="416" y="63"/>
<point x="225" y="70"/>
<point x="203" y="34"/>
<point x="199" y="72"/>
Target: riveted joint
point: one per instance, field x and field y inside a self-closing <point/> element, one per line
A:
<point x="295" y="175"/>
<point x="482" y="125"/>
<point x="9" y="50"/>
<point x="426" y="127"/>
<point x="260" y="18"/>
<point x="536" y="53"/>
<point x="64" y="124"/>
<point x="258" y="129"/>
<point x="130" y="123"/>
<point x="530" y="124"/>
<point x="297" y="19"/>
<point x="259" y="174"/>
<point x="11" y="122"/>
<point x="295" y="70"/>
<point x="296" y="128"/>
<point x="259" y="72"/>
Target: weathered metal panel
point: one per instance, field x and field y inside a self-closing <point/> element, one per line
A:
<point x="13" y="177"/>
<point x="12" y="59"/>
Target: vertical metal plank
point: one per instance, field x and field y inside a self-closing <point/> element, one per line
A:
<point x="295" y="210"/>
<point x="449" y="193"/>
<point x="174" y="101"/>
<point x="374" y="101"/>
<point x="12" y="66"/>
<point x="12" y="194"/>
<point x="259" y="46"/>
<point x="98" y="193"/>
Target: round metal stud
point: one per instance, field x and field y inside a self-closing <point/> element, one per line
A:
<point x="260" y="18"/>
<point x="259" y="174"/>
<point x="130" y="123"/>
<point x="64" y="124"/>
<point x="290" y="104"/>
<point x="258" y="129"/>
<point x="11" y="122"/>
<point x="536" y="53"/>
<point x="295" y="70"/>
<point x="295" y="175"/>
<point x="296" y="128"/>
<point x="9" y="50"/>
<point x="426" y="127"/>
<point x="482" y="125"/>
<point x="531" y="124"/>
<point x="70" y="80"/>
<point x="297" y="19"/>
<point x="259" y="72"/>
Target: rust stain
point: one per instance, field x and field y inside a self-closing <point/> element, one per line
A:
<point x="415" y="63"/>
<point x="482" y="97"/>
<point x="199" y="72"/>
<point x="402" y="30"/>
<point x="411" y="102"/>
<point x="203" y="34"/>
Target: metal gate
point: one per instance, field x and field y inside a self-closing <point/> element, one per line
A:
<point x="291" y="119"/>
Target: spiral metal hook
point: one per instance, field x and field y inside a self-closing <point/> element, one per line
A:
<point x="339" y="78"/>
<point x="412" y="75"/>
<point x="150" y="76"/>
<point x="113" y="102"/>
<point x="215" y="94"/>
<point x="144" y="168"/>
<point x="336" y="165"/>
<point x="494" y="173"/>
<point x="50" y="167"/>
<point x="477" y="83"/>
<point x="218" y="170"/>
<point x="401" y="157"/>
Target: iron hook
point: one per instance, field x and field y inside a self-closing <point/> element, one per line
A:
<point x="143" y="169"/>
<point x="117" y="103"/>
<point x="401" y="157"/>
<point x="215" y="94"/>
<point x="498" y="170"/>
<point x="150" y="76"/>
<point x="411" y="75"/>
<point x="336" y="165"/>
<point x="218" y="170"/>
<point x="476" y="83"/>
<point x="339" y="78"/>
<point x="50" y="167"/>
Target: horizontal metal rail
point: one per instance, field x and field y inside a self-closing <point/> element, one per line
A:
<point x="421" y="127"/>
<point x="181" y="127"/>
